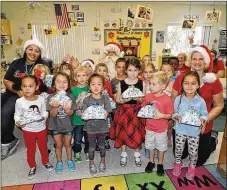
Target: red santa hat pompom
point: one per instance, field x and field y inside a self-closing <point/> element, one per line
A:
<point x="207" y="56"/>
<point x="90" y="62"/>
<point x="114" y="47"/>
<point x="34" y="42"/>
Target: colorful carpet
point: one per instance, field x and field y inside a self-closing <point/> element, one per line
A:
<point x="206" y="179"/>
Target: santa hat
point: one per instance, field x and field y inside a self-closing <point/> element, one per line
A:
<point x="207" y="56"/>
<point x="34" y="42"/>
<point x="114" y="47"/>
<point x="90" y="62"/>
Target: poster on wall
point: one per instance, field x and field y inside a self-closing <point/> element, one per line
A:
<point x="145" y="13"/>
<point x="193" y="17"/>
<point x="136" y="44"/>
<point x="80" y="16"/>
<point x="71" y="16"/>
<point x="160" y="36"/>
<point x="213" y="16"/>
<point x="75" y="7"/>
<point x="96" y="51"/>
<point x="189" y="24"/>
<point x="131" y="13"/>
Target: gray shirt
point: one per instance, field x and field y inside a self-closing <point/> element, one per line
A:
<point x="97" y="125"/>
<point x="62" y="122"/>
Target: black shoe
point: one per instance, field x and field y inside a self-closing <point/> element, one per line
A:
<point x="97" y="148"/>
<point x="107" y="145"/>
<point x="160" y="170"/>
<point x="150" y="167"/>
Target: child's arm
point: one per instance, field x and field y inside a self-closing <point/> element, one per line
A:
<point x="54" y="108"/>
<point x="18" y="114"/>
<point x="42" y="110"/>
<point x="107" y="105"/>
<point x="203" y="115"/>
<point x="118" y="96"/>
<point x="175" y="115"/>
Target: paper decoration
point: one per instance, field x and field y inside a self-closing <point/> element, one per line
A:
<point x="48" y="80"/>
<point x="48" y="31"/>
<point x="193" y="17"/>
<point x="137" y="24"/>
<point x="114" y="24"/>
<point x="65" y="32"/>
<point x="31" y="116"/>
<point x="96" y="51"/>
<point x="96" y="36"/>
<point x="189" y="24"/>
<point x="132" y="92"/>
<point x="80" y="16"/>
<point x="213" y="16"/>
<point x="75" y="7"/>
<point x="21" y="30"/>
<point x="128" y="27"/>
<point x="144" y="13"/>
<point x="191" y="117"/>
<point x="106" y="24"/>
<point x="29" y="26"/>
<point x="61" y="97"/>
<point x="54" y="31"/>
<point x="94" y="112"/>
<point x="131" y="13"/>
<point x="19" y="41"/>
<point x="149" y="111"/>
<point x="160" y="36"/>
<point x="71" y="16"/>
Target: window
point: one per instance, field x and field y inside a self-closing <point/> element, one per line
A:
<point x="177" y="38"/>
<point x="58" y="45"/>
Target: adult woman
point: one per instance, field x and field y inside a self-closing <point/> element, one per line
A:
<point x="182" y="68"/>
<point x="210" y="90"/>
<point x="218" y="65"/>
<point x="18" y="68"/>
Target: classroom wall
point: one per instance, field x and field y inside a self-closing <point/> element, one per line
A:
<point x="164" y="13"/>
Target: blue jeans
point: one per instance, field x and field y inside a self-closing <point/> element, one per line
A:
<point x="78" y="135"/>
<point x="8" y="101"/>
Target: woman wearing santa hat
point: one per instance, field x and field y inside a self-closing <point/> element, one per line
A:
<point x="211" y="91"/>
<point x="33" y="50"/>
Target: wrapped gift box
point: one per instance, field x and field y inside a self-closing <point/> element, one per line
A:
<point x="48" y="80"/>
<point x="149" y="111"/>
<point x="94" y="112"/>
<point x="132" y="92"/>
<point x="61" y="97"/>
<point x="191" y="117"/>
<point x="31" y="117"/>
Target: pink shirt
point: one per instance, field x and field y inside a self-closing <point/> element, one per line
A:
<point x="164" y="104"/>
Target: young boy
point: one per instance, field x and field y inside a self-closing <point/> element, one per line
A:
<point x="121" y="75"/>
<point x="156" y="129"/>
<point x="79" y="91"/>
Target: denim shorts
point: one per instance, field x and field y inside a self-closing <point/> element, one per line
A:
<point x="53" y="132"/>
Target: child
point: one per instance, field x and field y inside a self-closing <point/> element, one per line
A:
<point x="169" y="70"/>
<point x="156" y="129"/>
<point x="68" y="69"/>
<point x="174" y="62"/>
<point x="90" y="65"/>
<point x="78" y="91"/>
<point x="148" y="71"/>
<point x="146" y="59"/>
<point x="127" y="129"/>
<point x="102" y="70"/>
<point x="33" y="131"/>
<point x="60" y="120"/>
<point x="121" y="75"/>
<point x="188" y="99"/>
<point x="96" y="129"/>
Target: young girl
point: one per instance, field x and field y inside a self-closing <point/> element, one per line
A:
<point x="61" y="119"/>
<point x="90" y="65"/>
<point x="127" y="129"/>
<point x="102" y="70"/>
<point x="78" y="91"/>
<point x="97" y="129"/>
<point x="146" y="59"/>
<point x="30" y="105"/>
<point x="68" y="69"/>
<point x="189" y="99"/>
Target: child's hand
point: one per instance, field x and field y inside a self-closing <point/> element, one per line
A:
<point x="140" y="99"/>
<point x="67" y="106"/>
<point x="159" y="115"/>
<point x="18" y="124"/>
<point x="203" y="125"/>
<point x="54" y="103"/>
<point x="178" y="118"/>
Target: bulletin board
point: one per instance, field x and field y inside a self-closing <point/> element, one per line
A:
<point x="136" y="44"/>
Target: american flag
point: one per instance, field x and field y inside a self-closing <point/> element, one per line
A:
<point x="62" y="16"/>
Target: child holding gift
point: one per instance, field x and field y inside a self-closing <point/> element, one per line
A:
<point x="189" y="98"/>
<point x="79" y="91"/>
<point x="127" y="129"/>
<point x="61" y="106"/>
<point x="33" y="131"/>
<point x="97" y="128"/>
<point x="156" y="128"/>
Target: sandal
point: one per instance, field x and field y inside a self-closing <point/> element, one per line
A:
<point x="123" y="161"/>
<point x="138" y="162"/>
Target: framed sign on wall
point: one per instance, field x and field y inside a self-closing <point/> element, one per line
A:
<point x="136" y="44"/>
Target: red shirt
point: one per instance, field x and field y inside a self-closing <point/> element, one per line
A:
<point x="108" y="88"/>
<point x="219" y="67"/>
<point x="183" y="69"/>
<point x="164" y="104"/>
<point x="207" y="91"/>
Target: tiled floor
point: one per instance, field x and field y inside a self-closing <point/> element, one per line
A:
<point x="15" y="168"/>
